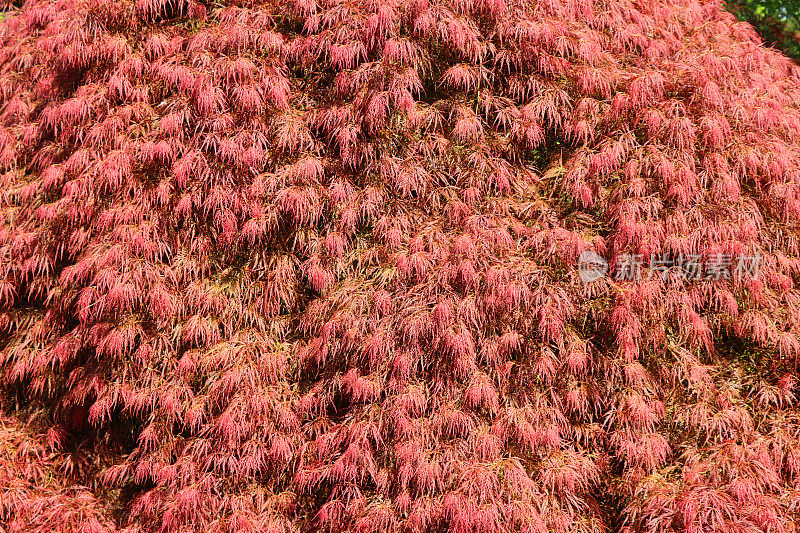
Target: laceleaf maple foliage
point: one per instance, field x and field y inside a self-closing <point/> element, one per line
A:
<point x="36" y="496"/>
<point x="310" y="266"/>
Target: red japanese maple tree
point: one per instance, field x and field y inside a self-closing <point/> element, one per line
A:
<point x="311" y="265"/>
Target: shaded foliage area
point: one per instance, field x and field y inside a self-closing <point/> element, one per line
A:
<point x="777" y="21"/>
<point x="309" y="265"/>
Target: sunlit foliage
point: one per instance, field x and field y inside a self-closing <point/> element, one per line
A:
<point x="777" y="21"/>
<point x="309" y="265"/>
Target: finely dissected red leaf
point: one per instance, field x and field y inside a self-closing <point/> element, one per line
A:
<point x="311" y="265"/>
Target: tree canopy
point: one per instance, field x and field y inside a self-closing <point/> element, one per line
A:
<point x="777" y="21"/>
<point x="312" y="265"/>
